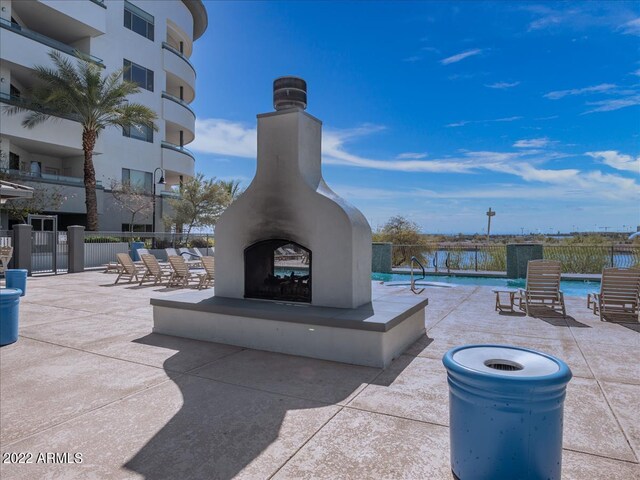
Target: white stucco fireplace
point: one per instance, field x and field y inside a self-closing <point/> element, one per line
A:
<point x="293" y="260"/>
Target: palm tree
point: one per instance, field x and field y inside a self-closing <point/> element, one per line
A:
<point x="232" y="187"/>
<point x="95" y="100"/>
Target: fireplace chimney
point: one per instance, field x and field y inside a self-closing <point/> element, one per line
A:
<point x="289" y="92"/>
<point x="289" y="237"/>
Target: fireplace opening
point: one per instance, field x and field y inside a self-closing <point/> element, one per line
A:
<point x="277" y="270"/>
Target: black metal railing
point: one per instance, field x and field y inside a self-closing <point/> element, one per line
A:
<point x="46" y="177"/>
<point x="166" y="46"/>
<point x="177" y="148"/>
<point x="444" y="257"/>
<point x="26" y="103"/>
<point x="48" y="41"/>
<point x="179" y="101"/>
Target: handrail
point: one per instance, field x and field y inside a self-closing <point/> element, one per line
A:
<point x="166" y="46"/>
<point x="179" y="101"/>
<point x="177" y="148"/>
<point x="413" y="283"/>
<point x="99" y="2"/>
<point x="24" y="102"/>
<point x="47" y="178"/>
<point x="48" y="41"/>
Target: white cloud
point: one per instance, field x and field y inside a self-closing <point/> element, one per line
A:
<point x="502" y="85"/>
<point x="412" y="59"/>
<point x="411" y="155"/>
<point x="224" y="137"/>
<point x="532" y="143"/>
<point x="228" y="138"/>
<point x="618" y="160"/>
<point x="612" y="104"/>
<point x="636" y="73"/>
<point x="603" y="87"/>
<point x="632" y="27"/>
<point x="468" y="122"/>
<point x="461" y="56"/>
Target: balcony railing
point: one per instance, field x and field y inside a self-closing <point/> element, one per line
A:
<point x="46" y="178"/>
<point x="166" y="46"/>
<point x="178" y="148"/>
<point x="48" y="41"/>
<point x="175" y="99"/>
<point x="24" y="102"/>
<point x="99" y="2"/>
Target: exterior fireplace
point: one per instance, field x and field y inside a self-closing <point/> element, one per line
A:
<point x="277" y="270"/>
<point x="288" y="202"/>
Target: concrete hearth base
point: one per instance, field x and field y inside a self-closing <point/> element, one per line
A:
<point x="371" y="335"/>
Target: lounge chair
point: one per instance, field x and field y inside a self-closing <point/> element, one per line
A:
<point x="127" y="267"/>
<point x="6" y="253"/>
<point x="143" y="251"/>
<point x="207" y="279"/>
<point x="619" y="293"/>
<point x="181" y="274"/>
<point x="187" y="253"/>
<point x="154" y="270"/>
<point x="171" y="252"/>
<point x="543" y="286"/>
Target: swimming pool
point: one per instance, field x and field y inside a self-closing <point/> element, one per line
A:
<point x="574" y="288"/>
<point x="569" y="287"/>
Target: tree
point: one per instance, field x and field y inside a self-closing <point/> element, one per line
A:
<point x="131" y="198"/>
<point x="232" y="187"/>
<point x="95" y="100"/>
<point x="406" y="238"/>
<point x="200" y="204"/>
<point x="44" y="197"/>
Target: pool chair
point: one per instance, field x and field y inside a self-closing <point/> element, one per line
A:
<point x="207" y="279"/>
<point x="543" y="287"/>
<point x="618" y="296"/>
<point x="127" y="267"/>
<point x="171" y="252"/>
<point x="187" y="253"/>
<point x="6" y="253"/>
<point x="154" y="270"/>
<point x="181" y="274"/>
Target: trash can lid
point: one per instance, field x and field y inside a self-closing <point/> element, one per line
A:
<point x="8" y="293"/>
<point x="505" y="361"/>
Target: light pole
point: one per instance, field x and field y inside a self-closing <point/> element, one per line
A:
<point x="153" y="220"/>
<point x="490" y="214"/>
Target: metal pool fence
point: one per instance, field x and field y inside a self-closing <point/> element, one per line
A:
<point x="493" y="258"/>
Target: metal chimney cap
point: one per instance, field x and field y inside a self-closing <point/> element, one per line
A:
<point x="289" y="92"/>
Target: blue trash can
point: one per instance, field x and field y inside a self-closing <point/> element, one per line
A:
<point x="9" y="309"/>
<point x="134" y="250"/>
<point x="17" y="278"/>
<point x="506" y="410"/>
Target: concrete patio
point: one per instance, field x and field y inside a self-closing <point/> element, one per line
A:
<point x="88" y="376"/>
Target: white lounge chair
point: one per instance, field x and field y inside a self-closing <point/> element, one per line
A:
<point x="543" y="286"/>
<point x="619" y="294"/>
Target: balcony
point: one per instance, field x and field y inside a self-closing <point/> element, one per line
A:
<point x="85" y="18"/>
<point x="18" y="46"/>
<point x="66" y="132"/>
<point x="177" y="64"/>
<point x="46" y="178"/>
<point x="179" y="116"/>
<point x="178" y="159"/>
<point x="71" y="189"/>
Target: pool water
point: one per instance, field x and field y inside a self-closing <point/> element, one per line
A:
<point x="570" y="288"/>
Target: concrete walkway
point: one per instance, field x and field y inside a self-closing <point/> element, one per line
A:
<point x="87" y="376"/>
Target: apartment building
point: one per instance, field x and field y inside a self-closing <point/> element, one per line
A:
<point x="154" y="40"/>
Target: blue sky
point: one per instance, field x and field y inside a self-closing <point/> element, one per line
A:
<point x="439" y="110"/>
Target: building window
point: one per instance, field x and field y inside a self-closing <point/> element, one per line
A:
<point x="14" y="161"/>
<point x="137" y="74"/>
<point x="138" y="179"/>
<point x="141" y="132"/>
<point x="138" y="20"/>
<point x="126" y="227"/>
